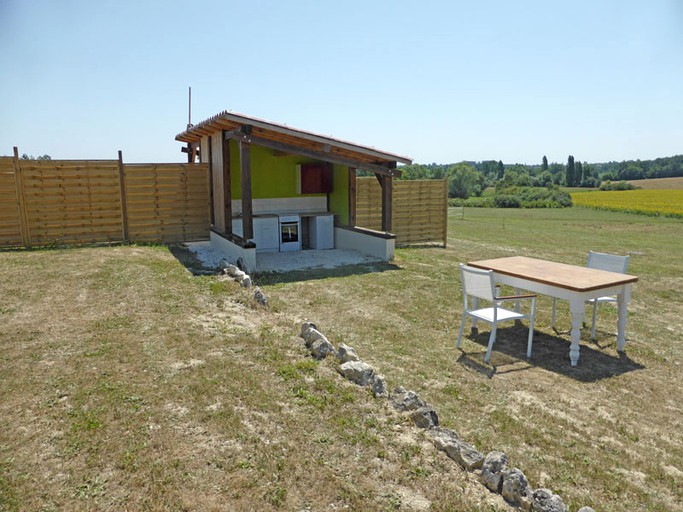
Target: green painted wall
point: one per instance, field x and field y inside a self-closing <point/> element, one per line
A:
<point x="339" y="198"/>
<point x="275" y="176"/>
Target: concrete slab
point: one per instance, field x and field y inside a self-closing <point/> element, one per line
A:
<point x="287" y="261"/>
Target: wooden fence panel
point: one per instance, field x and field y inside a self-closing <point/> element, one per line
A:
<point x="167" y="202"/>
<point x="81" y="202"/>
<point x="10" y="219"/>
<point x="71" y="201"/>
<point x="419" y="209"/>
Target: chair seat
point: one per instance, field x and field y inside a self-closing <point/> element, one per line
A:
<point x="486" y="314"/>
<point x="603" y="299"/>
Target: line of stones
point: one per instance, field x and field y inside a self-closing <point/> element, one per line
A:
<point x="493" y="469"/>
<point x="227" y="269"/>
<point x="244" y="280"/>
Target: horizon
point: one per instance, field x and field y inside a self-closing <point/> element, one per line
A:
<point x="446" y="82"/>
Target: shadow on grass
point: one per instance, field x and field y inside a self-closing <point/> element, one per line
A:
<point x="597" y="361"/>
<point x="270" y="278"/>
<point x="190" y="261"/>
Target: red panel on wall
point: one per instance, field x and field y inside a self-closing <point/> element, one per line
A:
<point x="316" y="178"/>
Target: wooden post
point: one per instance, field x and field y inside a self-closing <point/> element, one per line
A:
<point x="245" y="171"/>
<point x="352" y="196"/>
<point x="21" y="204"/>
<point x="387" y="196"/>
<point x="211" y="201"/>
<point x="227" y="188"/>
<point x="445" y="211"/>
<point x="124" y="205"/>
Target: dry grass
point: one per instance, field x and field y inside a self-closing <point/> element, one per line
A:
<point x="129" y="384"/>
<point x="660" y="183"/>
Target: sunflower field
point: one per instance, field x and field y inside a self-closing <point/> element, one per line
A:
<point x="668" y="203"/>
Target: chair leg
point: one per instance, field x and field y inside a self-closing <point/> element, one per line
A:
<point x="462" y="328"/>
<point x="595" y="317"/>
<point x="492" y="338"/>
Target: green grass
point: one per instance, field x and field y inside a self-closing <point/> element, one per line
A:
<point x="129" y="384"/>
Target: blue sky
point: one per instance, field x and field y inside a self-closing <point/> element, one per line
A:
<point x="437" y="81"/>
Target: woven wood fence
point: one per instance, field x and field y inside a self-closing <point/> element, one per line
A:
<point x="419" y="209"/>
<point x="45" y="202"/>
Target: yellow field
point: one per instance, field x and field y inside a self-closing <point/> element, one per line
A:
<point x="667" y="202"/>
<point x="659" y="183"/>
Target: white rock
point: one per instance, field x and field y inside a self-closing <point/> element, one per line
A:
<point x="346" y="353"/>
<point x="357" y="371"/>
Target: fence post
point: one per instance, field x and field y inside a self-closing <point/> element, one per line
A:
<point x="21" y="203"/>
<point x="124" y="207"/>
<point x="445" y="212"/>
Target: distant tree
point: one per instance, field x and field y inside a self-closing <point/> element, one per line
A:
<point x="587" y="178"/>
<point x="578" y="173"/>
<point x="489" y="168"/>
<point x="632" y="171"/>
<point x="545" y="179"/>
<point x="501" y="170"/>
<point x="569" y="179"/>
<point x="544" y="165"/>
<point x="31" y="157"/>
<point x="464" y="181"/>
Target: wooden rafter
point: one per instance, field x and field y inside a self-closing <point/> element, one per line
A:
<point x="239" y="134"/>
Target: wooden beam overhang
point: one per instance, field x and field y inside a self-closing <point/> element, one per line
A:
<point x="192" y="150"/>
<point x="244" y="134"/>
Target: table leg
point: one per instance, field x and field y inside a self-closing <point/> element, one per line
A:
<point x="518" y="306"/>
<point x="623" y="299"/>
<point x="576" y="307"/>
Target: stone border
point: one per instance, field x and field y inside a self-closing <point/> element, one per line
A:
<point x="240" y="276"/>
<point x="493" y="469"/>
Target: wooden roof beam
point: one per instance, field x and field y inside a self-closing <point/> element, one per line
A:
<point x="240" y="134"/>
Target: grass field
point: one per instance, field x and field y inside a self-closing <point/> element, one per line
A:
<point x="127" y="383"/>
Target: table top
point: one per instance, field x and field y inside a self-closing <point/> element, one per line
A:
<point x="571" y="277"/>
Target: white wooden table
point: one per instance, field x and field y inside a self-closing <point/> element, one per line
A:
<point x="568" y="282"/>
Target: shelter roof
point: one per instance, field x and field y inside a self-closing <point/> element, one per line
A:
<point x="289" y="137"/>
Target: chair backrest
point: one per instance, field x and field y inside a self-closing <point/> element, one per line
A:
<point x="476" y="283"/>
<point x="609" y="262"/>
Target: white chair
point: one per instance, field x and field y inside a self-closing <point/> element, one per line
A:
<point x="479" y="284"/>
<point x="601" y="261"/>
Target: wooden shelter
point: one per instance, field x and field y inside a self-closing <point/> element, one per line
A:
<point x="260" y="170"/>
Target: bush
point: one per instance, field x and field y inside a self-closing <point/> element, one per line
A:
<point x="473" y="202"/>
<point x="507" y="201"/>
<point x="519" y="197"/>
<point x="620" y="185"/>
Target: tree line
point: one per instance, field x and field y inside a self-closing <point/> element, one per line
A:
<point x="467" y="179"/>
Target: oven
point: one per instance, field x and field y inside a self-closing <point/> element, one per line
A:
<point x="290" y="233"/>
